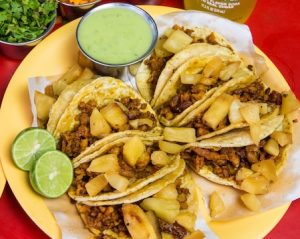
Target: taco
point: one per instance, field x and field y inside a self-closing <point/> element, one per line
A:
<point x="233" y="159"/>
<point x="171" y="212"/>
<point x="121" y="167"/>
<point x="105" y="106"/>
<point x="156" y="69"/>
<point x="234" y="107"/>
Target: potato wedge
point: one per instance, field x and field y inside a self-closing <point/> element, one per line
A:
<point x="234" y="114"/>
<point x="117" y="181"/>
<point x="177" y="41"/>
<point x="282" y="138"/>
<point x="160" y="158"/>
<point x="190" y="79"/>
<point x="43" y="104"/>
<point x="255" y="130"/>
<point x="169" y="192"/>
<point x="218" y="110"/>
<point x="243" y="173"/>
<point x="137" y="222"/>
<point x="104" y="163"/>
<point x="216" y="204"/>
<point x="213" y="67"/>
<point x="289" y="103"/>
<point x="133" y="149"/>
<point x="256" y="184"/>
<point x="272" y="147"/>
<point x="72" y="74"/>
<point x="86" y="74"/>
<point x="267" y="168"/>
<point x="251" y="202"/>
<point x="170" y="148"/>
<point x="98" y="125"/>
<point x="166" y="209"/>
<point x="183" y="135"/>
<point x="153" y="220"/>
<point x="250" y="113"/>
<point x="114" y="115"/>
<point x="187" y="220"/>
<point x="96" y="185"/>
<point x="58" y="87"/>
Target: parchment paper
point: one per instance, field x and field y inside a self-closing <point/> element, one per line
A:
<point x="284" y="190"/>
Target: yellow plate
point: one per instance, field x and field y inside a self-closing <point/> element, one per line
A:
<point x="51" y="57"/>
<point x="2" y="179"/>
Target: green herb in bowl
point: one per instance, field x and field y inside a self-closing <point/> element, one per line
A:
<point x="25" y="20"/>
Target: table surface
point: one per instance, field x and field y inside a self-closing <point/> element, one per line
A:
<point x="276" y="31"/>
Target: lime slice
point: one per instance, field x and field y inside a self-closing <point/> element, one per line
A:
<point x="29" y="145"/>
<point x="33" y="182"/>
<point x="52" y="174"/>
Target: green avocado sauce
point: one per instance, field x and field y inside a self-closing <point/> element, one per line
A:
<point x="115" y="36"/>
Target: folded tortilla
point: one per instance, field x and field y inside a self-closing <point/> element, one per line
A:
<point x="235" y="150"/>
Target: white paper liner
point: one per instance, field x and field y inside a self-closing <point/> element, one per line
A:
<point x="285" y="190"/>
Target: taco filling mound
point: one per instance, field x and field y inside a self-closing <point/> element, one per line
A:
<point x="251" y="97"/>
<point x="170" y="212"/>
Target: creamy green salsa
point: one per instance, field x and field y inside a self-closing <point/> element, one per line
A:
<point x="115" y="36"/>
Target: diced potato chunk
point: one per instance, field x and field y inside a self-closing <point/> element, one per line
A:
<point x="144" y="160"/>
<point x="250" y="113"/>
<point x="255" y="130"/>
<point x="96" y="185"/>
<point x="169" y="192"/>
<point x="134" y="68"/>
<point x="137" y="222"/>
<point x="216" y="204"/>
<point x="218" y="110"/>
<point x="289" y="103"/>
<point x="282" y="138"/>
<point x="234" y="114"/>
<point x="58" y="87"/>
<point x="183" y="135"/>
<point x="177" y="41"/>
<point x="43" y="104"/>
<point x="195" y="235"/>
<point x="228" y="71"/>
<point x="213" y="67"/>
<point x="272" y="147"/>
<point x="169" y="32"/>
<point x="166" y="209"/>
<point x="160" y="51"/>
<point x="251" y="202"/>
<point x="187" y="220"/>
<point x="267" y="168"/>
<point x="133" y="149"/>
<point x="160" y="158"/>
<point x="165" y="235"/>
<point x="72" y="74"/>
<point x="256" y="184"/>
<point x="86" y="74"/>
<point x="117" y="181"/>
<point x="170" y="148"/>
<point x="153" y="220"/>
<point x="208" y="81"/>
<point x="114" y="115"/>
<point x="190" y="79"/>
<point x="104" y="163"/>
<point x="98" y="125"/>
<point x="243" y="173"/>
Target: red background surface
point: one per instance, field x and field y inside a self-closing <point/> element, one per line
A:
<point x="275" y="26"/>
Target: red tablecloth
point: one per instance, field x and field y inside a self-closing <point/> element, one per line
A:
<point x="276" y="30"/>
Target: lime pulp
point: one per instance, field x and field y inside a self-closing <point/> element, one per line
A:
<point x="29" y="145"/>
<point x="52" y="174"/>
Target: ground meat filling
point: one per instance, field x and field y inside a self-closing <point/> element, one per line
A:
<point x="254" y="92"/>
<point x="74" y="142"/>
<point x="226" y="162"/>
<point x="186" y="96"/>
<point x="177" y="231"/>
<point x="142" y="170"/>
<point x="105" y="218"/>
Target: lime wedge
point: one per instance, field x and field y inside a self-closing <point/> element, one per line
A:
<point x="29" y="145"/>
<point x="52" y="174"/>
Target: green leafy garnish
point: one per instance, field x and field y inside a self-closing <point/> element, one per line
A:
<point x="25" y="20"/>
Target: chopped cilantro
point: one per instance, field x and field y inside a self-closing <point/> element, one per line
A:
<point x="25" y="20"/>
